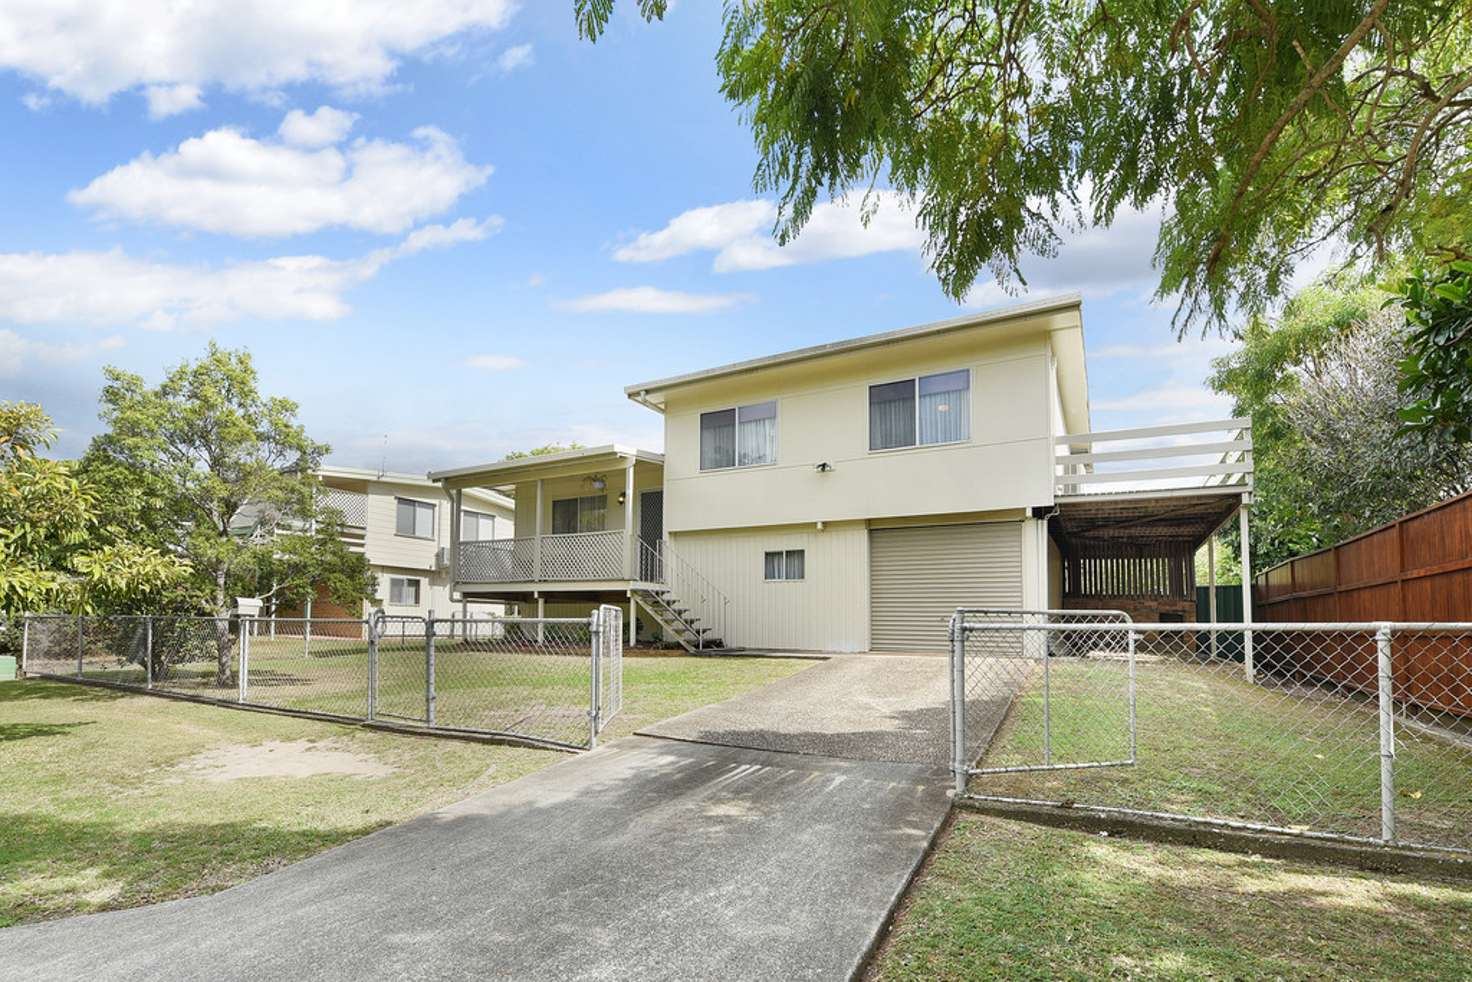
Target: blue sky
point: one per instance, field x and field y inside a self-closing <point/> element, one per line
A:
<point x="490" y="229"/>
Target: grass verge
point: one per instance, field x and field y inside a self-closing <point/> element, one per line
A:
<point x="1002" y="899"/>
<point x="96" y="814"/>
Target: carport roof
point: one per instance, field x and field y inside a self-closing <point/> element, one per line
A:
<point x="583" y="460"/>
<point x="1167" y="520"/>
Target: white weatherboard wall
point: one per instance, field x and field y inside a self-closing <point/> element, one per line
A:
<point x="825" y="611"/>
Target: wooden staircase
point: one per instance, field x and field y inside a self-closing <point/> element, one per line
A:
<point x="677" y="620"/>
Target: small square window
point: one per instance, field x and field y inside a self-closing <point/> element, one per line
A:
<point x="403" y="591"/>
<point x="788" y="564"/>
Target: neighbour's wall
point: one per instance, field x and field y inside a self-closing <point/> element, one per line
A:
<point x="828" y="610"/>
<point x="823" y="416"/>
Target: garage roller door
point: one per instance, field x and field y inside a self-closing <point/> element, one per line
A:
<point x="919" y="576"/>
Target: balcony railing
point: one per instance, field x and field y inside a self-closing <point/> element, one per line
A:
<point x="1209" y="456"/>
<point x="352" y="504"/>
<point x="572" y="556"/>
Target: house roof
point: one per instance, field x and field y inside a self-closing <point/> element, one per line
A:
<point x="585" y="460"/>
<point x="1070" y="362"/>
<point x="399" y="477"/>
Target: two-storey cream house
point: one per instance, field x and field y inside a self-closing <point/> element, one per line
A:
<point x="850" y="496"/>
<point x="403" y="525"/>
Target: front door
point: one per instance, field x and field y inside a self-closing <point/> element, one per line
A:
<point x="651" y="536"/>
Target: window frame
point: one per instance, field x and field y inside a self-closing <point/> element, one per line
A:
<point x="418" y="591"/>
<point x="736" y="463"/>
<point x="914" y="381"/>
<point x="417" y="504"/>
<point x="578" y="513"/>
<point x="783" y="554"/>
<point x="479" y="517"/>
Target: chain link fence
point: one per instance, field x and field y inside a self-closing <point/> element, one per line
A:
<point x="1354" y="731"/>
<point x="557" y="681"/>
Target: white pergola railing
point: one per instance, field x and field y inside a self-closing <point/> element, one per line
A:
<point x="1211" y="455"/>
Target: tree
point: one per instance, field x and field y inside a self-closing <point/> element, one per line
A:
<point x="1331" y="458"/>
<point x="56" y="551"/>
<point x="544" y="450"/>
<point x="1436" y="373"/>
<point x="1263" y="128"/>
<point x="228" y="475"/>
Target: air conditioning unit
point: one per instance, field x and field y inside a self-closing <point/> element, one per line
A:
<point x="442" y="559"/>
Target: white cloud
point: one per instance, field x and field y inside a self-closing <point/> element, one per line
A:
<point x="322" y="128"/>
<point x="94" y="49"/>
<point x="113" y="288"/>
<point x="36" y="101"/>
<point x="495" y="363"/>
<point x="170" y="100"/>
<point x="17" y="353"/>
<point x="228" y="182"/>
<point x="652" y="300"/>
<point x="511" y="59"/>
<point x="739" y="233"/>
<point x="1167" y="398"/>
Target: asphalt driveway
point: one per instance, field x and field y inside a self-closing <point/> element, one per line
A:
<point x="647" y="859"/>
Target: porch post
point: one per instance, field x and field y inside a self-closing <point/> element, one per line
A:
<point x="1211" y="588"/>
<point x="537" y="542"/>
<point x="541" y="622"/>
<point x="1247" y="664"/>
<point x="632" y="561"/>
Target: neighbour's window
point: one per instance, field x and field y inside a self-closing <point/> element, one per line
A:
<point x="403" y="590"/>
<point x="742" y="437"/>
<point x="918" y="412"/>
<point x="414" y="518"/>
<point x="789" y="564"/>
<point x="586" y="514"/>
<point x="477" y="526"/>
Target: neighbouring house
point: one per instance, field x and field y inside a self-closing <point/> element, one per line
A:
<point x="850" y="496"/>
<point x="402" y="523"/>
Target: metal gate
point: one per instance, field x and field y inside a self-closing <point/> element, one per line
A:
<point x="1058" y="697"/>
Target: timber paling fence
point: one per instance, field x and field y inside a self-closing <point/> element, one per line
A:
<point x="552" y="681"/>
<point x="1352" y="731"/>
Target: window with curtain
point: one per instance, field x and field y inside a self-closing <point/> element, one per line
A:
<point x="916" y="412"/>
<point x="586" y="514"/>
<point x="403" y="591"/>
<point x="477" y="526"/>
<point x="756" y="434"/>
<point x="945" y="407"/>
<point x="892" y="415"/>
<point x="787" y="564"/>
<point x="413" y="518"/>
<point x="742" y="437"/>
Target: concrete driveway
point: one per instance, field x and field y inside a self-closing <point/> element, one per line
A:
<point x="647" y="859"/>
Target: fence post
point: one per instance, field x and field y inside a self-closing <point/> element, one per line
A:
<point x="148" y="651"/>
<point x="429" y="669"/>
<point x="81" y="647"/>
<point x="1133" y="637"/>
<point x="243" y="676"/>
<point x="372" y="669"/>
<point x="595" y="642"/>
<point x="25" y="643"/>
<point x="959" y="764"/>
<point x="1385" y="678"/>
<point x="1047" y="700"/>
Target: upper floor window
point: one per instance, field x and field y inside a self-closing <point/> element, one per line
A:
<point x="414" y="518"/>
<point x="788" y="564"/>
<point x="740" y="437"/>
<point x="477" y="526"/>
<point x="920" y="411"/>
<point x="587" y="514"/>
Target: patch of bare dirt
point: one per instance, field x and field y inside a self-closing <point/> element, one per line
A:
<point x="278" y="758"/>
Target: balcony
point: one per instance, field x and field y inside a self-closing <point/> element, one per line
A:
<point x="1205" y="458"/>
<point x="569" y="557"/>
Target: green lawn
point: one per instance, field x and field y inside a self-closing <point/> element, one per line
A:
<point x="1008" y="900"/>
<point x="95" y="812"/>
<point x="1211" y="744"/>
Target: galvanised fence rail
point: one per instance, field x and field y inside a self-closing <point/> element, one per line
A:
<point x="1349" y="731"/>
<point x="554" y="681"/>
